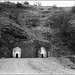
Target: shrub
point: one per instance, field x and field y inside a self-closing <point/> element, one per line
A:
<point x="73" y="9"/>
<point x="54" y="7"/>
<point x="49" y="8"/>
<point x="19" y="5"/>
<point x="26" y="3"/>
<point x="60" y="20"/>
<point x="41" y="8"/>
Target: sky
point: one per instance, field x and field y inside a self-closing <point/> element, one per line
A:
<point x="58" y="3"/>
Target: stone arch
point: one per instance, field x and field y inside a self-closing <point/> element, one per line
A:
<point x="39" y="44"/>
<point x="42" y="52"/>
<point x="16" y="52"/>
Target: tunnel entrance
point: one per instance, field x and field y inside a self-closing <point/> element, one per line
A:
<point x="16" y="55"/>
<point x="41" y="55"/>
<point x="17" y="52"/>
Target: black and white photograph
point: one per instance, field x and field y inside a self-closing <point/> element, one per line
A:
<point x="37" y="37"/>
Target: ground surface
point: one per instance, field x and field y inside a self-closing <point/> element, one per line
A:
<point x="35" y="66"/>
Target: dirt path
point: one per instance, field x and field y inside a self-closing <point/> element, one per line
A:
<point x="33" y="66"/>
